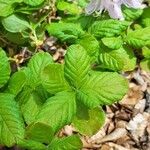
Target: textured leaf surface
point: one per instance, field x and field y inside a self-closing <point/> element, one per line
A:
<point x="77" y="65"/>
<point x="30" y="105"/>
<point x="68" y="143"/>
<point x="146" y="22"/>
<point x="7" y="7"/>
<point x="146" y="52"/>
<point x="33" y="2"/>
<point x="131" y="14"/>
<point x="93" y="45"/>
<point x="15" y="24"/>
<point x="90" y="126"/>
<point x="39" y="132"/>
<point x="108" y="28"/>
<point x="16" y="82"/>
<point x="112" y="42"/>
<point x="11" y="126"/>
<point x="4" y="68"/>
<point x="139" y="38"/>
<point x="145" y="65"/>
<point x="53" y="78"/>
<point x="69" y="8"/>
<point x="58" y="110"/>
<point x="31" y="145"/>
<point x="38" y="62"/>
<point x="103" y="88"/>
<point x="119" y="59"/>
<point x="145" y="18"/>
<point x="65" y="31"/>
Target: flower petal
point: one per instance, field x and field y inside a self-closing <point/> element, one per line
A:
<point x="92" y="6"/>
<point x="115" y="11"/>
<point x="133" y="3"/>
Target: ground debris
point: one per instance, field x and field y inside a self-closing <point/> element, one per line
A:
<point x="127" y="125"/>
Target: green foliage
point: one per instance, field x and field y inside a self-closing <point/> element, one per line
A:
<point x="93" y="123"/>
<point x="39" y="132"/>
<point x="53" y="78"/>
<point x="132" y="14"/>
<point x="145" y="63"/>
<point x="138" y="38"/>
<point x="145" y="18"/>
<point x="65" y="31"/>
<point x="117" y="59"/>
<point x="39" y="96"/>
<point x="16" y="82"/>
<point x="112" y="42"/>
<point x="4" y="68"/>
<point x="11" y="126"/>
<point x="72" y="143"/>
<point x="7" y="7"/>
<point x="58" y="110"/>
<point x="32" y="145"/>
<point x="33" y="2"/>
<point x="15" y="24"/>
<point x="77" y="65"/>
<point x="36" y="65"/>
<point x="69" y="8"/>
<point x="108" y="28"/>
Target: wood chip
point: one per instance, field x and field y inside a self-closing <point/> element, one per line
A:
<point x="116" y="134"/>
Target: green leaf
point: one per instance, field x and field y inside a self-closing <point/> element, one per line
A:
<point x="7" y="7"/>
<point x="4" y="68"/>
<point x="53" y="78"/>
<point x="33" y="2"/>
<point x="112" y="42"/>
<point x="68" y="143"/>
<point x="131" y="14"/>
<point x="146" y="22"/>
<point x="31" y="145"/>
<point x="65" y="31"/>
<point x="146" y="13"/>
<point x="39" y="132"/>
<point x="11" y="122"/>
<point x="37" y="63"/>
<point x="16" y="82"/>
<point x="145" y="65"/>
<point x="58" y="110"/>
<point x="69" y="8"/>
<point x="138" y="38"/>
<point x="145" y="18"/>
<point x="90" y="126"/>
<point x="93" y="45"/>
<point x="119" y="59"/>
<point x="103" y="89"/>
<point x="108" y="28"/>
<point x="30" y="104"/>
<point x="86" y="21"/>
<point x="15" y="24"/>
<point x="77" y="65"/>
<point x="129" y="59"/>
<point x="146" y="52"/>
<point x="16" y="38"/>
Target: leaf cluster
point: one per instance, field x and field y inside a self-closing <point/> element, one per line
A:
<point x="43" y="96"/>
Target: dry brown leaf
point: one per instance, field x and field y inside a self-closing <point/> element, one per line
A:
<point x="117" y="147"/>
<point x="115" y="135"/>
<point x="140" y="106"/>
<point x="68" y="130"/>
<point x="133" y="96"/>
<point x="137" y="125"/>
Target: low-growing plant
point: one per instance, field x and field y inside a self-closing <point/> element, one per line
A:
<point x="42" y="96"/>
<point x="50" y="95"/>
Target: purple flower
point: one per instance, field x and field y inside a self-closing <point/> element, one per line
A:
<point x="112" y="6"/>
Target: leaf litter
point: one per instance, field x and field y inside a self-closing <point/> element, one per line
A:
<point x="127" y="125"/>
